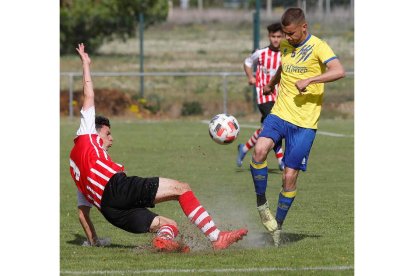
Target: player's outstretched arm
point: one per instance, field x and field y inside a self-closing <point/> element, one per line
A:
<point x="87" y="79"/>
<point x="87" y="225"/>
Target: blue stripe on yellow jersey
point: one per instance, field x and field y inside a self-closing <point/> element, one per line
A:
<point x="305" y="60"/>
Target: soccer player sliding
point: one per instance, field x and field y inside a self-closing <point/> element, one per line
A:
<point x="124" y="200"/>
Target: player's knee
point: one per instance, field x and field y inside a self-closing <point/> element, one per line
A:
<point x="289" y="180"/>
<point x="160" y="221"/>
<point x="259" y="153"/>
<point x="182" y="187"/>
<point x="288" y="176"/>
<point x="164" y="221"/>
<point x="170" y="189"/>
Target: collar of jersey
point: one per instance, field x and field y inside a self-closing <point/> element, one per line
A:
<point x="303" y="42"/>
<point x="272" y="49"/>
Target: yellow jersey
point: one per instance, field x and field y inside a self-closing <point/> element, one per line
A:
<point x="308" y="59"/>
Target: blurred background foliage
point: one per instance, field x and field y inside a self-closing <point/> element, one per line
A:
<point x="93" y="21"/>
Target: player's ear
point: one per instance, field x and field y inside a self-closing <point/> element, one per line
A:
<point x="304" y="26"/>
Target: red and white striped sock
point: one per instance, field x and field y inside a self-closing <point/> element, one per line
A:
<point x="198" y="215"/>
<point x="167" y="232"/>
<point x="252" y="141"/>
<point x="279" y="155"/>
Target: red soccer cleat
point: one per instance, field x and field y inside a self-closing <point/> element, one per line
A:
<point x="164" y="245"/>
<point x="185" y="249"/>
<point x="225" y="239"/>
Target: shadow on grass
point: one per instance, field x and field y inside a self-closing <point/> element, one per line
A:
<point x="295" y="237"/>
<point x="264" y="239"/>
<point x="275" y="171"/>
<point x="79" y="239"/>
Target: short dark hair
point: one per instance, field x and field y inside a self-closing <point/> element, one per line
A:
<point x="101" y="121"/>
<point x="293" y="16"/>
<point x="275" y="27"/>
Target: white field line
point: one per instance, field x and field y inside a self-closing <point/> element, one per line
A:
<point x="319" y="132"/>
<point x="213" y="270"/>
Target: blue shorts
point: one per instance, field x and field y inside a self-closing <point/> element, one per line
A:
<point x="298" y="140"/>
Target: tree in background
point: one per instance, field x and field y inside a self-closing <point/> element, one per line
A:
<point x="93" y="21"/>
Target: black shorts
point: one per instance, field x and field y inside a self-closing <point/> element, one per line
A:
<point x="265" y="109"/>
<point x="125" y="201"/>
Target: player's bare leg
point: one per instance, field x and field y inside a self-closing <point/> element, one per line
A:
<point x="279" y="155"/>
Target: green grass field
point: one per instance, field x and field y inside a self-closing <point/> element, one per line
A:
<point x="318" y="235"/>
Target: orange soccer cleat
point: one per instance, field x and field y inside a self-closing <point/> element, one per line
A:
<point x="164" y="245"/>
<point x="227" y="238"/>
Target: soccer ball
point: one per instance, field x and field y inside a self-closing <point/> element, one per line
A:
<point x="223" y="129"/>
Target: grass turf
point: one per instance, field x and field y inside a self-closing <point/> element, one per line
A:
<point x="318" y="231"/>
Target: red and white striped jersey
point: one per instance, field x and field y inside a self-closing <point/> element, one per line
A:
<point x="268" y="61"/>
<point x="91" y="166"/>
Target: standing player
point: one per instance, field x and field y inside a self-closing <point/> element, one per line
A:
<point x="123" y="200"/>
<point x="307" y="63"/>
<point x="268" y="61"/>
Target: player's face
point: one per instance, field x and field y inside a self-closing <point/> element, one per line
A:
<point x="295" y="33"/>
<point x="106" y="136"/>
<point x="275" y="39"/>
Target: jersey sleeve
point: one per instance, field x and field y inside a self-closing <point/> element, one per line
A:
<point x="82" y="201"/>
<point x="325" y="53"/>
<point x="249" y="61"/>
<point x="87" y="125"/>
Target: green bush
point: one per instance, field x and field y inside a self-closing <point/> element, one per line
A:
<point x="191" y="108"/>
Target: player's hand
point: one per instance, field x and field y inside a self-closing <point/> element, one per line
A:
<point x="82" y="54"/>
<point x="301" y="85"/>
<point x="98" y="242"/>
<point x="267" y="90"/>
<point x="252" y="80"/>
